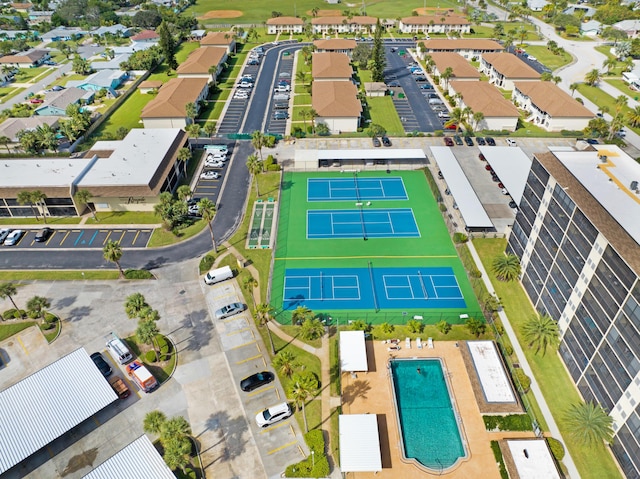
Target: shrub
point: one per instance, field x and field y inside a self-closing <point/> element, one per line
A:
<point x="150" y="356"/>
<point x="315" y="441"/>
<point x="442" y="207"/>
<point x="138" y="274"/>
<point x="525" y="381"/>
<point x="508" y="349"/>
<point x="47" y="326"/>
<point x="268" y="161"/>
<point x="438" y="133"/>
<point x="33" y="314"/>
<point x="9" y="313"/>
<point x="360" y="325"/>
<point x="50" y="317"/>
<point x="475" y="272"/>
<point x="206" y="263"/>
<point x="274" y="167"/>
<point x="497" y="453"/>
<point x="306" y="467"/>
<point x="386" y="328"/>
<point x="19" y="314"/>
<point x="460" y="238"/>
<point x="443" y="326"/>
<point x="557" y="449"/>
<point x="511" y="422"/>
<point x="414" y="326"/>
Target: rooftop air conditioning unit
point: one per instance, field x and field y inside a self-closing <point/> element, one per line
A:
<point x="603" y="158"/>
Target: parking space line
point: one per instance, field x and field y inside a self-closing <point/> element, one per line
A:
<point x="135" y="238"/>
<point x="78" y="238"/>
<point x="234" y="318"/>
<point x="238" y="331"/>
<point x="273" y="451"/>
<point x="93" y="237"/>
<point x="23" y="346"/>
<point x="107" y="238"/>
<point x="65" y="237"/>
<point x="275" y="426"/>
<point x="50" y="237"/>
<point x="246" y="360"/>
<point x="261" y="390"/>
<point x="121" y="236"/>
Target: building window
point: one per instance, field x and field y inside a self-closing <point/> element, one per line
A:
<point x="573" y="350"/>
<point x="539" y="171"/>
<point x="585" y="226"/>
<point x="563" y="199"/>
<point x="586" y="331"/>
<point x="597" y="388"/>
<point x="595" y="310"/>
<point x="579" y="241"/>
<point x="614" y="286"/>
<point x="615" y="366"/>
<point x="617" y="264"/>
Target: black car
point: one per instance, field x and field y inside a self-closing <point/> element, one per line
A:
<point x="376" y="141"/>
<point x="43" y="235"/>
<point x="513" y="204"/>
<point x="468" y="140"/>
<point x="101" y="364"/>
<point x="256" y="380"/>
<point x="490" y="141"/>
<point x="426" y="86"/>
<point x="458" y="140"/>
<point x="440" y="175"/>
<point x="420" y="78"/>
<point x="481" y="141"/>
<point x="4" y="233"/>
<point x="393" y="84"/>
<point x="592" y="141"/>
<point x="386" y="141"/>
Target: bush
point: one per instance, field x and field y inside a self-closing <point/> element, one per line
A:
<point x="315" y="441"/>
<point x="33" y="314"/>
<point x="438" y="133"/>
<point x="497" y="453"/>
<point x="443" y="327"/>
<point x="306" y="468"/>
<point x="9" y="313"/>
<point x="268" y="161"/>
<point x="386" y="328"/>
<point x="19" y="314"/>
<point x="525" y="381"/>
<point x="460" y="238"/>
<point x="557" y="449"/>
<point x="414" y="326"/>
<point x="47" y="326"/>
<point x="475" y="273"/>
<point x="511" y="422"/>
<point x="150" y="356"/>
<point x="138" y="274"/>
<point x="442" y="207"/>
<point x="206" y="263"/>
<point x="508" y="349"/>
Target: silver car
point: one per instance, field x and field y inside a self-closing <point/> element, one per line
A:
<point x="230" y="310"/>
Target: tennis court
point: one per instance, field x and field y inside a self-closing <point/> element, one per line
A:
<point x="372" y="288"/>
<point x="356" y="189"/>
<point x="362" y="223"/>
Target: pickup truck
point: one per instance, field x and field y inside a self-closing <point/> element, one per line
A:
<point x="119" y="387"/>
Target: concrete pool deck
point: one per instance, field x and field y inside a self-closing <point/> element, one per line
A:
<point x="371" y="393"/>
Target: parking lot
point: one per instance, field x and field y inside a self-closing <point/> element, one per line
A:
<point x="79" y="237"/>
<point x="237" y="106"/>
<point x="210" y="176"/>
<point x="284" y="76"/>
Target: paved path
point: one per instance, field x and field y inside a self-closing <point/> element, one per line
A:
<point x="572" y="471"/>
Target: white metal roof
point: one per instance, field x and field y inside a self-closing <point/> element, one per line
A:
<point x="372" y="154"/>
<point x="533" y="459"/>
<point x="40" y="172"/>
<point x="512" y="166"/>
<point x="353" y="352"/>
<point x="139" y="460"/>
<point x="49" y="403"/>
<point x="493" y="379"/>
<point x="469" y="204"/>
<point x="359" y="443"/>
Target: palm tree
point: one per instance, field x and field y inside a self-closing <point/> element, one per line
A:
<point x="506" y="267"/>
<point x="134" y="304"/>
<point x="38" y="304"/>
<point x="207" y="209"/>
<point x="249" y="284"/>
<point x="608" y="64"/>
<point x="112" y="252"/>
<point x="177" y="453"/>
<point x="478" y="116"/>
<point x="300" y="314"/>
<point x="83" y="197"/>
<point x="209" y="127"/>
<point x="146" y="333"/>
<point x="301" y="77"/>
<point x="304" y="386"/>
<point x="190" y="111"/>
<point x="476" y="326"/>
<point x="304" y="114"/>
<point x="26" y="198"/>
<point x="38" y="197"/>
<point x="176" y="427"/>
<point x="312" y="115"/>
<point x="153" y="422"/>
<point x="621" y="102"/>
<point x="255" y="168"/>
<point x="457" y="117"/>
<point x="593" y="77"/>
<point x="285" y="362"/>
<point x="5" y="140"/>
<point x="263" y="315"/>
<point x="258" y="141"/>
<point x="9" y="290"/>
<point x="633" y="117"/>
<point x="589" y="424"/>
<point x="184" y="192"/>
<point x="573" y="87"/>
<point x="541" y="331"/>
<point x="446" y="75"/>
<point x="184" y="155"/>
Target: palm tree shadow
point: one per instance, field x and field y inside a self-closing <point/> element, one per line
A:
<point x="357" y="389"/>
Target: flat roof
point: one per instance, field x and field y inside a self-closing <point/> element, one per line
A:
<point x="532" y="459"/>
<point x="41" y="172"/>
<point x="469" y="204"/>
<point x="139" y="460"/>
<point x="34" y="411"/>
<point x="512" y="166"/>
<point x="493" y="378"/>
<point x="373" y="154"/>
<point x="359" y="443"/>
<point x="353" y="351"/>
<point x="609" y="181"/>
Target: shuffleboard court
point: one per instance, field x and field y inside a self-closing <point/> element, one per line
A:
<point x="356" y="189"/>
<point x="372" y="288"/>
<point x="362" y="223"/>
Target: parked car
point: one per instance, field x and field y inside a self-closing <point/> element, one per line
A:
<point x="4" y="233"/>
<point x="513" y="204"/>
<point x="57" y="88"/>
<point x="504" y="191"/>
<point x="386" y="141"/>
<point x="448" y="141"/>
<point x="511" y="142"/>
<point x="468" y="140"/>
<point x="376" y="141"/>
<point x="481" y="141"/>
<point x="457" y="139"/>
<point x="101" y="364"/>
<point x="13" y="238"/>
<point x="426" y="86"/>
<point x="43" y="234"/>
<point x="481" y="157"/>
<point x="393" y="84"/>
<point x="230" y="310"/>
<point x="245" y="84"/>
<point x="256" y="380"/>
<point x="214" y="164"/>
<point x="274" y="414"/>
<point x="420" y="78"/>
<point x="280" y="115"/>
<point x="210" y="175"/>
<point x="194" y="210"/>
<point x="281" y="105"/>
<point x="440" y="175"/>
<point x="490" y="141"/>
<point x="532" y="58"/>
<point x="36" y="101"/>
<point x="253" y="61"/>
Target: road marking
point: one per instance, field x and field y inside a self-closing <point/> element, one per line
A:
<point x="78" y="238"/>
<point x="238" y="331"/>
<point x="242" y="361"/>
<point x="261" y="390"/>
<point x="242" y="346"/>
<point x="121" y="236"/>
<point x="50" y="237"/>
<point x="23" y="346"/>
<point x="135" y="238"/>
<point x="273" y="451"/>
<point x="65" y="237"/>
<point x="276" y="426"/>
<point x="107" y="238"/>
<point x="93" y="237"/>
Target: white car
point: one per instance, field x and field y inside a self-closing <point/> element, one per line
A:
<point x="209" y="175"/>
<point x="532" y="58"/>
<point x="274" y="414"/>
<point x="504" y="191"/>
<point x="14" y="237"/>
<point x="230" y="310"/>
<point x="240" y="95"/>
<point x="511" y="142"/>
<point x="217" y="156"/>
<point x="214" y="164"/>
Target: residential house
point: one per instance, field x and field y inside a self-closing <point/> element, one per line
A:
<point x="499" y="113"/>
<point x="112" y="64"/>
<point x="591" y="28"/>
<point x="335" y="45"/>
<point x="630" y="27"/>
<point x="550" y="107"/>
<point x="461" y="69"/>
<point x="109" y="80"/>
<point x="35" y="17"/>
<point x="12" y="126"/>
<point x="583" y="10"/>
<point x="373" y="89"/>
<point x="505" y="68"/>
<point x="149" y="86"/>
<point x="63" y="34"/>
<point x="284" y="25"/>
<point x="434" y="24"/>
<point x="632" y="78"/>
<point x="146" y="36"/>
<point x="116" y="30"/>
<point x="14" y="34"/>
<point x="28" y="59"/>
<point x="167" y="109"/>
<point x="537" y="5"/>
<point x="340" y="24"/>
<point x="220" y="39"/>
<point x="201" y="61"/>
<point x="331" y="67"/>
<point x="468" y="48"/>
<point x="337" y="105"/>
<point x="132" y="48"/>
<point x="56" y="102"/>
<point x="24" y="7"/>
<point x="197" y="35"/>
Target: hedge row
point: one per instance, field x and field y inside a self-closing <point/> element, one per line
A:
<point x="316" y="465"/>
<point x="511" y="422"/>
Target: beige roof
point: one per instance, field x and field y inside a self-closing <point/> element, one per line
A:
<point x="461" y="67"/>
<point x="359" y="20"/>
<point x="436" y="19"/>
<point x="332" y="99"/>
<point x="150" y="84"/>
<point x="201" y="59"/>
<point x="217" y="38"/>
<point x="484" y="97"/>
<point x="172" y="98"/>
<point x="285" y="21"/>
<point x="330" y="65"/>
<point x="375" y="86"/>
<point x="550" y="98"/>
<point x="462" y="44"/>
<point x="31" y="56"/>
<point x="335" y="44"/>
<point x="510" y="65"/>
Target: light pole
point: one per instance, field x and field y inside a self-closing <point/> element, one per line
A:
<point x="313" y="459"/>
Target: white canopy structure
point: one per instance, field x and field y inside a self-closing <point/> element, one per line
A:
<point x="512" y="166"/>
<point x="532" y="459"/>
<point x="359" y="443"/>
<point x="493" y="378"/>
<point x="354" y="157"/>
<point x="353" y="352"/>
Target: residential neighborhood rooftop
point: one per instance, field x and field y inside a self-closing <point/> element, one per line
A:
<point x="335" y="99"/>
<point x="461" y="67"/>
<point x="173" y="97"/>
<point x="202" y="59"/>
<point x="435" y="20"/>
<point x="478" y="44"/>
<point x="331" y="65"/>
<point x="218" y="38"/>
<point x="484" y="97"/>
<point x="510" y="65"/>
<point x="550" y="98"/>
<point x="335" y="44"/>
<point x="285" y="21"/>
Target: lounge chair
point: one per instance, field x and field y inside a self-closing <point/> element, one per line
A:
<point x="407" y="343"/>
<point x="419" y="343"/>
<point x="430" y="343"/>
<point x="393" y="347"/>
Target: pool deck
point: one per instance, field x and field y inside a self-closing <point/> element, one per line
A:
<point x="371" y="393"/>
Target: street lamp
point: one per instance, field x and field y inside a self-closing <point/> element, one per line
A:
<point x="313" y="459"/>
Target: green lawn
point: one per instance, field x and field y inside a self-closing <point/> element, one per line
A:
<point x="8" y="330"/>
<point x="551" y="374"/>
<point x="624" y="88"/>
<point x="548" y="59"/>
<point x="302" y="100"/>
<point x="162" y="237"/>
<point x="382" y="112"/>
<point x="62" y="275"/>
<point x="480" y="32"/>
<point x="127" y="115"/>
<point x="126" y="218"/>
<point x="600" y="98"/>
<point x="9" y="92"/>
<point x="25" y="75"/>
<point x="55" y="220"/>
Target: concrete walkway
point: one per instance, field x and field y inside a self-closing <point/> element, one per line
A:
<point x="572" y="471"/>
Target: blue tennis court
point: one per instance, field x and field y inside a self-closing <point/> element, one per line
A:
<point x="356" y="189"/>
<point x="372" y="288"/>
<point x="362" y="223"/>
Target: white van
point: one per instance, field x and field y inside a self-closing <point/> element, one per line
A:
<point x="216" y="275"/>
<point x="435" y="101"/>
<point x="118" y="350"/>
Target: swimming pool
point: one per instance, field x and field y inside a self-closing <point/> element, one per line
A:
<point x="428" y="428"/>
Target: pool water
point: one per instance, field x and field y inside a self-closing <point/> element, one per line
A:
<point x="428" y="424"/>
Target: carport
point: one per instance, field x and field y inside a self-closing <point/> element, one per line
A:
<point x="306" y="159"/>
<point x="353" y="352"/>
<point x="359" y="443"/>
<point x="512" y="166"/>
<point x="471" y="209"/>
<point x="140" y="459"/>
<point x="47" y="404"/>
